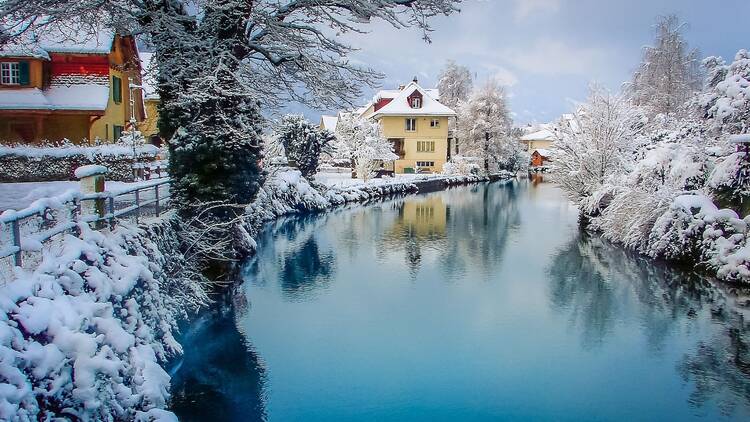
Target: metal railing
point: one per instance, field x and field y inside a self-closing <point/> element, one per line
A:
<point x="28" y="229"/>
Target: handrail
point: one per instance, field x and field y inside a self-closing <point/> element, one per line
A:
<point x="71" y="203"/>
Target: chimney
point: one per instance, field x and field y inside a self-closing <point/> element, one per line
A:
<point x="415" y="80"/>
<point x="401" y="87"/>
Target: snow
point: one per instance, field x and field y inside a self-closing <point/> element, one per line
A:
<point x="541" y="135"/>
<point x="399" y="106"/>
<point x="90" y="97"/>
<point x="59" y="39"/>
<point x="70" y="150"/>
<point x="543" y="152"/>
<point x="329" y="122"/>
<point x="90" y="170"/>
<point x="740" y="139"/>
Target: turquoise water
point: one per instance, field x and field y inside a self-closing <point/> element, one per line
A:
<point x="479" y="303"/>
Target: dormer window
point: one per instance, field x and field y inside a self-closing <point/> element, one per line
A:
<point x="10" y="73"/>
<point x="416" y="102"/>
<point x="415" y="99"/>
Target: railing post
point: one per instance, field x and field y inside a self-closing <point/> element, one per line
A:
<point x="156" y="194"/>
<point x="111" y="201"/>
<point x="92" y="181"/>
<point x="137" y="205"/>
<point x="16" y="230"/>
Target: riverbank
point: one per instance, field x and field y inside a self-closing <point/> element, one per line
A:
<point x="86" y="332"/>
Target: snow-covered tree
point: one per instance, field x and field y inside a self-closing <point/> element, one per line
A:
<point x="303" y="142"/>
<point x="362" y="141"/>
<point x="484" y="127"/>
<point x="597" y="143"/>
<point x="726" y="100"/>
<point x="214" y="57"/>
<point x="454" y="84"/>
<point x="669" y="73"/>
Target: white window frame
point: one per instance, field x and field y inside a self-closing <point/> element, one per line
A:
<point x="425" y="164"/>
<point x="10" y="73"/>
<point x="411" y="127"/>
<point x="435" y="123"/>
<point x="416" y="102"/>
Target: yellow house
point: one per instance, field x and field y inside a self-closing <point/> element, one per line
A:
<point x="415" y="121"/>
<point x="57" y="86"/>
<point x="541" y="139"/>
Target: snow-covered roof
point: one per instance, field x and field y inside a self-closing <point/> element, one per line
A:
<point x="59" y="40"/>
<point x="543" y="152"/>
<point x="73" y="98"/>
<point x="149" y="77"/>
<point x="541" y="135"/>
<point x="399" y="106"/>
<point x="393" y="93"/>
<point x="329" y="122"/>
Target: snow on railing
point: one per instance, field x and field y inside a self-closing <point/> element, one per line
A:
<point x="26" y="230"/>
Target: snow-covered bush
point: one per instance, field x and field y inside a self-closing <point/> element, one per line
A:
<point x="462" y="166"/>
<point x="726" y="101"/>
<point x="362" y="141"/>
<point x="58" y="161"/>
<point x="82" y="336"/>
<point x="303" y="142"/>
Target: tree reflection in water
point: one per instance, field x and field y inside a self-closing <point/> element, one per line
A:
<point x="596" y="284"/>
<point x="220" y="368"/>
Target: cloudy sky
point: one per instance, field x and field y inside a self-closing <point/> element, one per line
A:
<point x="548" y="51"/>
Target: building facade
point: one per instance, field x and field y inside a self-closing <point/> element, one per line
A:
<point x="77" y="89"/>
<point x="416" y="123"/>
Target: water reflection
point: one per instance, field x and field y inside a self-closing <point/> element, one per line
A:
<point x="220" y="377"/>
<point x="599" y="286"/>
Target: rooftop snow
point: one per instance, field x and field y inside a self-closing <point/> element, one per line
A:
<point x="399" y="106"/>
<point x="543" y="152"/>
<point x="59" y="40"/>
<point x="330" y="122"/>
<point x="542" y="135"/>
<point x="74" y="97"/>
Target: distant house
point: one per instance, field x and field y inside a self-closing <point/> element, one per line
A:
<point x="329" y="123"/>
<point x="535" y="139"/>
<point x="415" y="121"/>
<point x="540" y="157"/>
<point x="67" y="86"/>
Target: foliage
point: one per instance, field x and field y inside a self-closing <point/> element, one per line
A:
<point x="455" y="84"/>
<point x="303" y="142"/>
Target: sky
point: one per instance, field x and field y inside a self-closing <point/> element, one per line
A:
<point x="546" y="52"/>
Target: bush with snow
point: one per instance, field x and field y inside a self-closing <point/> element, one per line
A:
<point x="83" y="335"/>
<point x="362" y="141"/>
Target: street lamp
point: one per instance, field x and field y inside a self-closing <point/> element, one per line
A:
<point x="131" y="88"/>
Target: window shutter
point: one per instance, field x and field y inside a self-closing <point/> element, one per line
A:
<point x="116" y="90"/>
<point x="23" y="73"/>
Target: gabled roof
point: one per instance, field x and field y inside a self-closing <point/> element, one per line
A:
<point x="329" y="122"/>
<point x="543" y="152"/>
<point x="59" y="40"/>
<point x="399" y="106"/>
<point x="393" y="93"/>
<point x="63" y="98"/>
<point x="541" y="135"/>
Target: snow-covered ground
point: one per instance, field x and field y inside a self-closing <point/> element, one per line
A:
<point x="344" y="180"/>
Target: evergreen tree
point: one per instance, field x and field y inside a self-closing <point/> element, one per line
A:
<point x="303" y="142"/>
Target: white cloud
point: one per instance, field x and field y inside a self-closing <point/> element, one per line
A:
<point x="502" y="75"/>
<point x="526" y="8"/>
<point x="553" y="57"/>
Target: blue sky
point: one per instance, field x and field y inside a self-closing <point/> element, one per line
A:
<point x="548" y="51"/>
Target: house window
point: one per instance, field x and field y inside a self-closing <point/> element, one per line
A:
<point x="116" y="90"/>
<point x="411" y="125"/>
<point x="117" y="132"/>
<point x="425" y="164"/>
<point x="416" y="102"/>
<point x="425" y="146"/>
<point x="10" y="73"/>
<point x="435" y="123"/>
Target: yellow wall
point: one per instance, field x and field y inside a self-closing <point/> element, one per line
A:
<point x="395" y="127"/>
<point x="532" y="145"/>
<point x="150" y="125"/>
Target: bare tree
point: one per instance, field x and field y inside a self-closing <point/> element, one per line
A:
<point x="670" y="71"/>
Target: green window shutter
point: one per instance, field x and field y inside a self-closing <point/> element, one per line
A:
<point x="23" y="73"/>
<point x="116" y="90"/>
<point x="117" y="132"/>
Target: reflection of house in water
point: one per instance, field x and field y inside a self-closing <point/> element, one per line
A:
<point x="423" y="218"/>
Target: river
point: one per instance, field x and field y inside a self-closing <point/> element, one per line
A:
<point x="477" y="303"/>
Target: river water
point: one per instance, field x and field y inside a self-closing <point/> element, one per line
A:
<point x="478" y="303"/>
